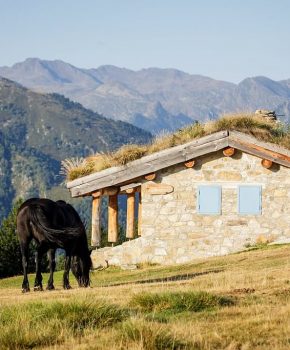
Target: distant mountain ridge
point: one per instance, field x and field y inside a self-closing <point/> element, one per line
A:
<point x="39" y="130"/>
<point x="152" y="98"/>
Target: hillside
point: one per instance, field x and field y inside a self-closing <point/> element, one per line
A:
<point x="153" y="98"/>
<point x="240" y="301"/>
<point x="39" y="130"/>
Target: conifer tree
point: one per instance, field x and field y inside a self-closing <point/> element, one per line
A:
<point x="10" y="255"/>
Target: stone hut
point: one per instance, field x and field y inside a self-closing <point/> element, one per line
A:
<point x="212" y="196"/>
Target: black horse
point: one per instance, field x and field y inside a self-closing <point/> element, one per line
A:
<point x="53" y="225"/>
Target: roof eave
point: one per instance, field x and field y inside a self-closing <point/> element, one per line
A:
<point x="148" y="164"/>
<point x="212" y="143"/>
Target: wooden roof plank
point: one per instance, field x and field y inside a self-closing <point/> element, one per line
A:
<point x="179" y="154"/>
<point x="237" y="135"/>
<point x="142" y="166"/>
<point x="149" y="158"/>
<point x="258" y="151"/>
<point x="251" y="145"/>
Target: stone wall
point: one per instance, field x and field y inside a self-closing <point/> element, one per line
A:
<point x="173" y="231"/>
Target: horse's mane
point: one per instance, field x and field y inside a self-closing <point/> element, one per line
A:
<point x="59" y="236"/>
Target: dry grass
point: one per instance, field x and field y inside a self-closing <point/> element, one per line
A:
<point x="258" y="281"/>
<point x="251" y="124"/>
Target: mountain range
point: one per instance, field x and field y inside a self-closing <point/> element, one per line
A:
<point x="154" y="99"/>
<point x="39" y="130"/>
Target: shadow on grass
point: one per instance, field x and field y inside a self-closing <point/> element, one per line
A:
<point x="180" y="277"/>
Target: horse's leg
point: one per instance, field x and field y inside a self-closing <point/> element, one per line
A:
<point x="24" y="252"/>
<point x="51" y="259"/>
<point x="41" y="249"/>
<point x="66" y="284"/>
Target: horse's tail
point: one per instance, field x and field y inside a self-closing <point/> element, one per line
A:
<point x="58" y="236"/>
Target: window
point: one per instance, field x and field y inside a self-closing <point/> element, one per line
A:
<point x="209" y="200"/>
<point x="250" y="200"/>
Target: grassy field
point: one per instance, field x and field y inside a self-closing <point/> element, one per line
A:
<point x="241" y="301"/>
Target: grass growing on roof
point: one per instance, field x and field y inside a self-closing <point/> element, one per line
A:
<point x="251" y="124"/>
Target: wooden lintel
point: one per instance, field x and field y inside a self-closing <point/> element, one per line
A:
<point x="229" y="151"/>
<point x="96" y="222"/>
<point x="130" y="215"/>
<point x="130" y="188"/>
<point x="150" y="177"/>
<point x="157" y="189"/>
<point x="190" y="163"/>
<point x="113" y="218"/>
<point x="266" y="163"/>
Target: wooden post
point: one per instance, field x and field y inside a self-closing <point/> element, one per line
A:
<point x="229" y="151"/>
<point x="96" y="221"/>
<point x="130" y="215"/>
<point x="140" y="214"/>
<point x="266" y="163"/>
<point x="113" y="219"/>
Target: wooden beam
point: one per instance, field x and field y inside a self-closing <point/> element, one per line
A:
<point x="113" y="219"/>
<point x="260" y="152"/>
<point x="190" y="163"/>
<point x="252" y="140"/>
<point x="150" y="177"/>
<point x="96" y="222"/>
<point x="139" y="214"/>
<point x="130" y="215"/>
<point x="266" y="163"/>
<point x="130" y="186"/>
<point x="229" y="151"/>
<point x="155" y="189"/>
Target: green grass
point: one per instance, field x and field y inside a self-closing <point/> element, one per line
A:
<point x="239" y="301"/>
<point x="41" y="324"/>
<point x="179" y="302"/>
<point x="115" y="276"/>
<point x="150" y="336"/>
<point x="111" y="276"/>
<point x="16" y="282"/>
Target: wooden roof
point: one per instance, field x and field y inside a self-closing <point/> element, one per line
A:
<point x="117" y="176"/>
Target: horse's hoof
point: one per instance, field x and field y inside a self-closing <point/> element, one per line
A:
<point x="51" y="287"/>
<point x="25" y="290"/>
<point x="67" y="287"/>
<point x="38" y="289"/>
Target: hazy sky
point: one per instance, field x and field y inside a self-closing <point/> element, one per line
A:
<point x="223" y="39"/>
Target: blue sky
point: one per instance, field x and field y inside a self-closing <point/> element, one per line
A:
<point x="223" y="39"/>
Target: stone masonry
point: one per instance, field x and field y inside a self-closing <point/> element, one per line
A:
<point x="173" y="231"/>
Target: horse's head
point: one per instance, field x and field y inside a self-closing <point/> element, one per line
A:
<point x="81" y="265"/>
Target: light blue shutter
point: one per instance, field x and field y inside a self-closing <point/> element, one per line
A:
<point x="209" y="200"/>
<point x="250" y="200"/>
